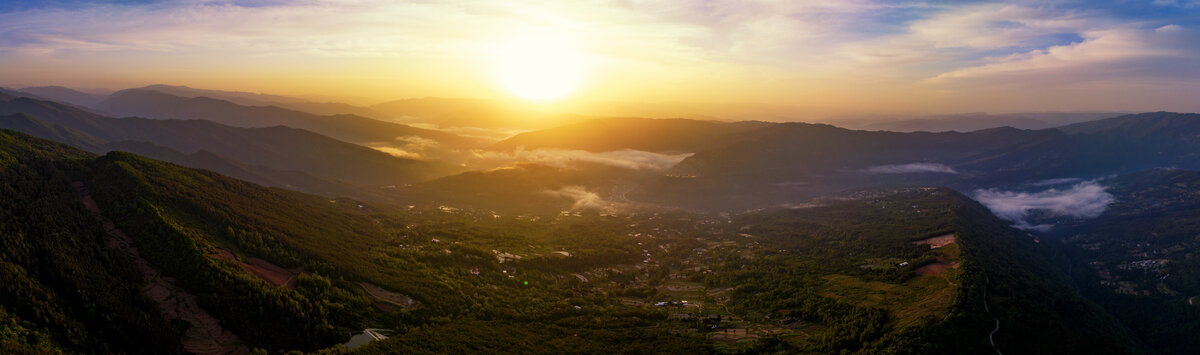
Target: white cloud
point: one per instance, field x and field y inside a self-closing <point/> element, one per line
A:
<point x="911" y="168"/>
<point x="989" y="26"/>
<point x="1103" y="55"/>
<point x="899" y="54"/>
<point x="397" y="152"/>
<point x="1086" y="199"/>
<point x="410" y="147"/>
<point x="583" y="198"/>
<point x="950" y="36"/>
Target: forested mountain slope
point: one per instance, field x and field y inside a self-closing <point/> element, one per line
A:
<point x="280" y="270"/>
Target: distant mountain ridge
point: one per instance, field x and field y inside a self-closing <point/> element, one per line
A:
<point x="257" y="99"/>
<point x="277" y="156"/>
<point x="452" y="112"/>
<point x="655" y="135"/>
<point x="798" y="161"/>
<point x="64" y="94"/>
<point x="350" y="128"/>
<point x="968" y="122"/>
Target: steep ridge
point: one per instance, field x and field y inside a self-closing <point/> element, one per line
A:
<point x="64" y="290"/>
<point x="204" y="334"/>
<point x="819" y="260"/>
<point x="73" y="290"/>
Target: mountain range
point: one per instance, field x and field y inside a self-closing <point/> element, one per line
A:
<point x="351" y="128"/>
<point x="278" y="155"/>
<point x="81" y="223"/>
<point x="1076" y="235"/>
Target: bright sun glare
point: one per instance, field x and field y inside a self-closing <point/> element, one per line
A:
<point x="539" y="67"/>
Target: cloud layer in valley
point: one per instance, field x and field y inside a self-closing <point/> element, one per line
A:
<point x="583" y="198"/>
<point x="1086" y="199"/>
<point x="628" y="159"/>
<point x="911" y="168"/>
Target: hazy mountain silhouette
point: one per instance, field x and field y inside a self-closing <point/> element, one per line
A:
<point x="448" y="113"/>
<point x="657" y="135"/>
<point x="971" y="121"/>
<point x="66" y="95"/>
<point x="257" y="99"/>
<point x="280" y="149"/>
<point x="238" y="97"/>
<point x="350" y="128"/>
<point x="796" y="161"/>
<point x="33" y="126"/>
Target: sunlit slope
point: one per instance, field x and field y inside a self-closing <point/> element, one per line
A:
<point x="68" y="287"/>
<point x="855" y="270"/>
<point x="826" y="269"/>
<point x="183" y="219"/>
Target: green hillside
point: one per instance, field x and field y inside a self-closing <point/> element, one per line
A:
<point x="278" y="270"/>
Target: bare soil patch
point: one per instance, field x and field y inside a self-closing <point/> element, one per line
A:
<point x="938" y="241"/>
<point x="385" y="299"/>
<point x="265" y="270"/>
<point x="733" y="334"/>
<point x="938" y="268"/>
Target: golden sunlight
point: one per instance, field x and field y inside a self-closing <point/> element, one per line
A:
<point x="539" y="67"/>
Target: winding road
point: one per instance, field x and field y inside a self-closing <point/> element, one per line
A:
<point x="989" y="312"/>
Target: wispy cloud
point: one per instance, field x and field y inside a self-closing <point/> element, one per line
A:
<point x="1052" y="182"/>
<point x="1169" y="51"/>
<point x="628" y="159"/>
<point x="583" y="198"/>
<point x="411" y="147"/>
<point x="1086" y="199"/>
<point x="910" y="168"/>
<point x="907" y="53"/>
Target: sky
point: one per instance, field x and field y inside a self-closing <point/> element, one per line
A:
<point x="808" y="57"/>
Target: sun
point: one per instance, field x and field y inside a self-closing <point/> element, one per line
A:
<point x="539" y="67"/>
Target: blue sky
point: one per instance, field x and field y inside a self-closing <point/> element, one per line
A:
<point x="820" y="56"/>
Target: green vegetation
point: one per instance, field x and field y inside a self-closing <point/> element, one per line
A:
<point x="1138" y="258"/>
<point x="62" y="289"/>
<point x="844" y="276"/>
